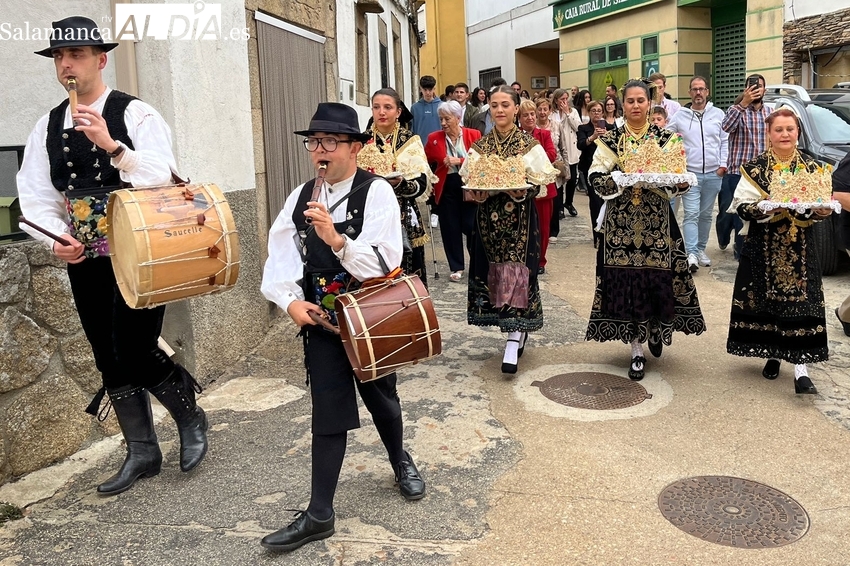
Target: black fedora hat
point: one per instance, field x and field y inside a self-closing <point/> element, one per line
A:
<point x="335" y="118"/>
<point x="76" y="31"/>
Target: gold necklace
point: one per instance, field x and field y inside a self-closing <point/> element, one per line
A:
<point x="387" y="141"/>
<point x="627" y="143"/>
<point x="500" y="146"/>
<point x="639" y="133"/>
<point x="783" y="160"/>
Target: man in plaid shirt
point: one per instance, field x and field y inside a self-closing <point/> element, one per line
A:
<point x="744" y="122"/>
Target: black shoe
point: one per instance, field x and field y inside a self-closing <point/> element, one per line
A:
<point x="637" y="374"/>
<point x="512" y="368"/>
<point x="771" y="369"/>
<point x="654" y="341"/>
<point x="410" y="483"/>
<point x="177" y="394"/>
<point x="522" y="341"/>
<point x="133" y="408"/>
<point x="572" y="210"/>
<point x="561" y="215"/>
<point x="846" y="325"/>
<point x="302" y="530"/>
<point x="804" y="386"/>
<point x="541" y="270"/>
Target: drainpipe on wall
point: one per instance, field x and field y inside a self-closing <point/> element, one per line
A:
<point x="437" y="40"/>
<point x="126" y="73"/>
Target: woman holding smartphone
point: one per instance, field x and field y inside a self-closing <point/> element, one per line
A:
<point x="586" y="140"/>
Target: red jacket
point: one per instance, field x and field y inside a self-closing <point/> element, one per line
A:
<point x="545" y="139"/>
<point x="435" y="150"/>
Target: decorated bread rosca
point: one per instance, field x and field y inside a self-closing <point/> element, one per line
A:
<point x="494" y="173"/>
<point x="652" y="161"/>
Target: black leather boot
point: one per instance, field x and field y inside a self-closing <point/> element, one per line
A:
<point x="177" y="394"/>
<point x="144" y="459"/>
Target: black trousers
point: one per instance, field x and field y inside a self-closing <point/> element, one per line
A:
<point x="123" y="340"/>
<point x="332" y="384"/>
<point x="570" y="186"/>
<point x="456" y="220"/>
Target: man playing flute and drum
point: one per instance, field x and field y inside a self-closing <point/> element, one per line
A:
<point x="71" y="162"/>
<point x="326" y="239"/>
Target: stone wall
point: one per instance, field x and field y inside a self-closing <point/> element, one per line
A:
<point x="47" y="372"/>
<point x="815" y="32"/>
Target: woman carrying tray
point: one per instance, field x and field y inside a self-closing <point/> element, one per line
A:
<point x="503" y="289"/>
<point x="778" y="304"/>
<point x="644" y="290"/>
<point x="397" y="153"/>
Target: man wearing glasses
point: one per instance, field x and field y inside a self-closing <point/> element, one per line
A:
<point x="706" y="145"/>
<point x="332" y="233"/>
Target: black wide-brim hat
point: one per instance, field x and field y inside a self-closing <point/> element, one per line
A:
<point x="76" y="31"/>
<point x="335" y="118"/>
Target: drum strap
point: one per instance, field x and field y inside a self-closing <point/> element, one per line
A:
<point x="310" y="228"/>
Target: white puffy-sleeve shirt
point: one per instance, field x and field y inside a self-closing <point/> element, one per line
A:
<point x="149" y="164"/>
<point x="284" y="269"/>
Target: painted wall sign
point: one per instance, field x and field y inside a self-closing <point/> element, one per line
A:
<point x="572" y="12"/>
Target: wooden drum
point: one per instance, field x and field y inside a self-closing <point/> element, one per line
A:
<point x="387" y="326"/>
<point x="173" y="242"/>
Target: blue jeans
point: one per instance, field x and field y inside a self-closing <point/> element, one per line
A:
<point x="698" y="207"/>
<point x="726" y="222"/>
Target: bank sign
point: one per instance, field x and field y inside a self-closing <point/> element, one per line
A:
<point x="572" y="12"/>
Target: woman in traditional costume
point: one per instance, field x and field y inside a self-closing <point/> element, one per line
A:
<point x="778" y="303"/>
<point x="644" y="291"/>
<point x="396" y="153"/>
<point x="503" y="288"/>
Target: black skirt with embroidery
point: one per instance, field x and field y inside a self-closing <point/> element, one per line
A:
<point x="642" y="276"/>
<point x="777" y="304"/>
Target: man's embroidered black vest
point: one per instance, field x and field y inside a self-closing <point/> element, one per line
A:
<point x="76" y="163"/>
<point x="324" y="275"/>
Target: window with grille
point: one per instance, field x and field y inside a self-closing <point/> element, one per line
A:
<point x="730" y="63"/>
<point x="487" y="76"/>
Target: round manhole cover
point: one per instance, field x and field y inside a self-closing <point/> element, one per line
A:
<point x="733" y="512"/>
<point x="592" y="390"/>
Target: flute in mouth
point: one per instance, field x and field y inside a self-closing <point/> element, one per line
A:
<point x="72" y="96"/>
<point x="317" y="185"/>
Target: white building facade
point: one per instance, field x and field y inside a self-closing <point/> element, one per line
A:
<point x="512" y="39"/>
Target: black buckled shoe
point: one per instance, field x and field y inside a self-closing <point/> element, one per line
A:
<point x="845" y="325"/>
<point x="410" y="483"/>
<point x="804" y="386"/>
<point x="637" y="374"/>
<point x="572" y="210"/>
<point x="656" y="346"/>
<point x="771" y="369"/>
<point x="305" y="528"/>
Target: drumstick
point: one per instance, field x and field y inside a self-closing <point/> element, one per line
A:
<point x="317" y="185"/>
<point x="72" y="96"/>
<point x="322" y="321"/>
<point x="43" y="231"/>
